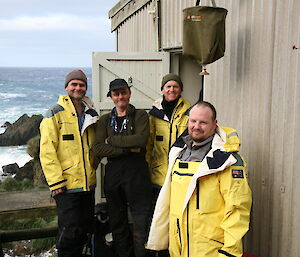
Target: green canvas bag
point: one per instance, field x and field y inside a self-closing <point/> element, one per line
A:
<point x="204" y="33"/>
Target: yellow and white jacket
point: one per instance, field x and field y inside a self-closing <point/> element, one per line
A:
<point x="65" y="152"/>
<point x="216" y="227"/>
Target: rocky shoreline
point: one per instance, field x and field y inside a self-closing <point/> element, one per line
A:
<point x="21" y="130"/>
<point x="24" y="131"/>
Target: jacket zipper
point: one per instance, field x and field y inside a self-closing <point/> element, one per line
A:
<point x="86" y="183"/>
<point x="188" y="234"/>
<point x="179" y="232"/>
<point x="170" y="138"/>
<point x="171" y="123"/>
<point x="198" y="195"/>
<point x="87" y="138"/>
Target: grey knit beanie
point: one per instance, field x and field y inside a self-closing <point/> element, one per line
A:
<point x="76" y="74"/>
<point x="170" y="77"/>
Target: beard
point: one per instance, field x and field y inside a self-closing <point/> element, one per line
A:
<point x="77" y="97"/>
<point x="198" y="136"/>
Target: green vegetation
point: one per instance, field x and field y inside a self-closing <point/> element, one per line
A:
<point x="31" y="179"/>
<point x="11" y="184"/>
<point x="34" y="246"/>
<point x="33" y="147"/>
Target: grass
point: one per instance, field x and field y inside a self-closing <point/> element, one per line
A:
<point x="34" y="246"/>
<point x="10" y="184"/>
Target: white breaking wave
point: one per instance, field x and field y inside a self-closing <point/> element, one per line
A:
<point x="13" y="154"/>
<point x="9" y="95"/>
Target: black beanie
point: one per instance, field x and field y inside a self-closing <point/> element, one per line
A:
<point x="76" y="75"/>
<point x="170" y="77"/>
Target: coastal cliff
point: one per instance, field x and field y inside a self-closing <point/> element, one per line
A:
<point x="21" y="130"/>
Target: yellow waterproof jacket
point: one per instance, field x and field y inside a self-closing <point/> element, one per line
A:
<point x="65" y="152"/>
<point x="213" y="214"/>
<point x="163" y="134"/>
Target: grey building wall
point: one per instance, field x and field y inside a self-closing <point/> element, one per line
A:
<point x="255" y="88"/>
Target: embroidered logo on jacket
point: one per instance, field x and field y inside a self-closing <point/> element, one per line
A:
<point x="237" y="174"/>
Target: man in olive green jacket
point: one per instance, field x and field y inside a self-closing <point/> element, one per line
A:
<point x="121" y="136"/>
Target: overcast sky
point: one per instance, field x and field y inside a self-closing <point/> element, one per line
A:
<point x="55" y="33"/>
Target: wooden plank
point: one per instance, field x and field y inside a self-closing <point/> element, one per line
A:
<point x="28" y="213"/>
<point x="27" y="234"/>
<point x="25" y="200"/>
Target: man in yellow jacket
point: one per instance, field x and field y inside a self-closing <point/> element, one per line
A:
<point x="168" y="120"/>
<point x="203" y="208"/>
<point x="67" y="136"/>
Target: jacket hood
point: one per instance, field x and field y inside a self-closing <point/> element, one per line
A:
<point x="228" y="140"/>
<point x="64" y="101"/>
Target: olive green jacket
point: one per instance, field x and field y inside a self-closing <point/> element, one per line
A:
<point x="135" y="136"/>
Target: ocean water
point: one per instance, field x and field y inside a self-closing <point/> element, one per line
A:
<point x="30" y="91"/>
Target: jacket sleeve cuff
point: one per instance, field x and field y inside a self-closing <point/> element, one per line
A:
<point x="58" y="184"/>
<point x="223" y="253"/>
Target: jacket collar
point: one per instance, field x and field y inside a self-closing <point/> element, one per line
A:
<point x="130" y="111"/>
<point x="157" y="109"/>
<point x="91" y="115"/>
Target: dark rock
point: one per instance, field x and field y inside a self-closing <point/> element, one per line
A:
<point x="32" y="171"/>
<point x="6" y="124"/>
<point x="10" y="169"/>
<point x="25" y="172"/>
<point x="21" y="131"/>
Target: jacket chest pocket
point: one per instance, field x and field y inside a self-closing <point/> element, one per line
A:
<point x="208" y="196"/>
<point x="179" y="185"/>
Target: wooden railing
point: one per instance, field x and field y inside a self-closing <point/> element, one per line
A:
<point x="23" y="205"/>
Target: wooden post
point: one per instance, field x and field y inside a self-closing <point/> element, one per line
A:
<point x="1" y="251"/>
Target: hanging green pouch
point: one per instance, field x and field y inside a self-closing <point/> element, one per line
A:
<point x="204" y="33"/>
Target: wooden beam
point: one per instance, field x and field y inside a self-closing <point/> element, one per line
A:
<point x="25" y="199"/>
<point x="27" y="234"/>
<point x="28" y="213"/>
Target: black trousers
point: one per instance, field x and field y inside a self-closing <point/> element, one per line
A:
<point x="127" y="184"/>
<point x="75" y="221"/>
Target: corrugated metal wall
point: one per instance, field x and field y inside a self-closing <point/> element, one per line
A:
<point x="139" y="32"/>
<point x="171" y="22"/>
<point x="255" y="89"/>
